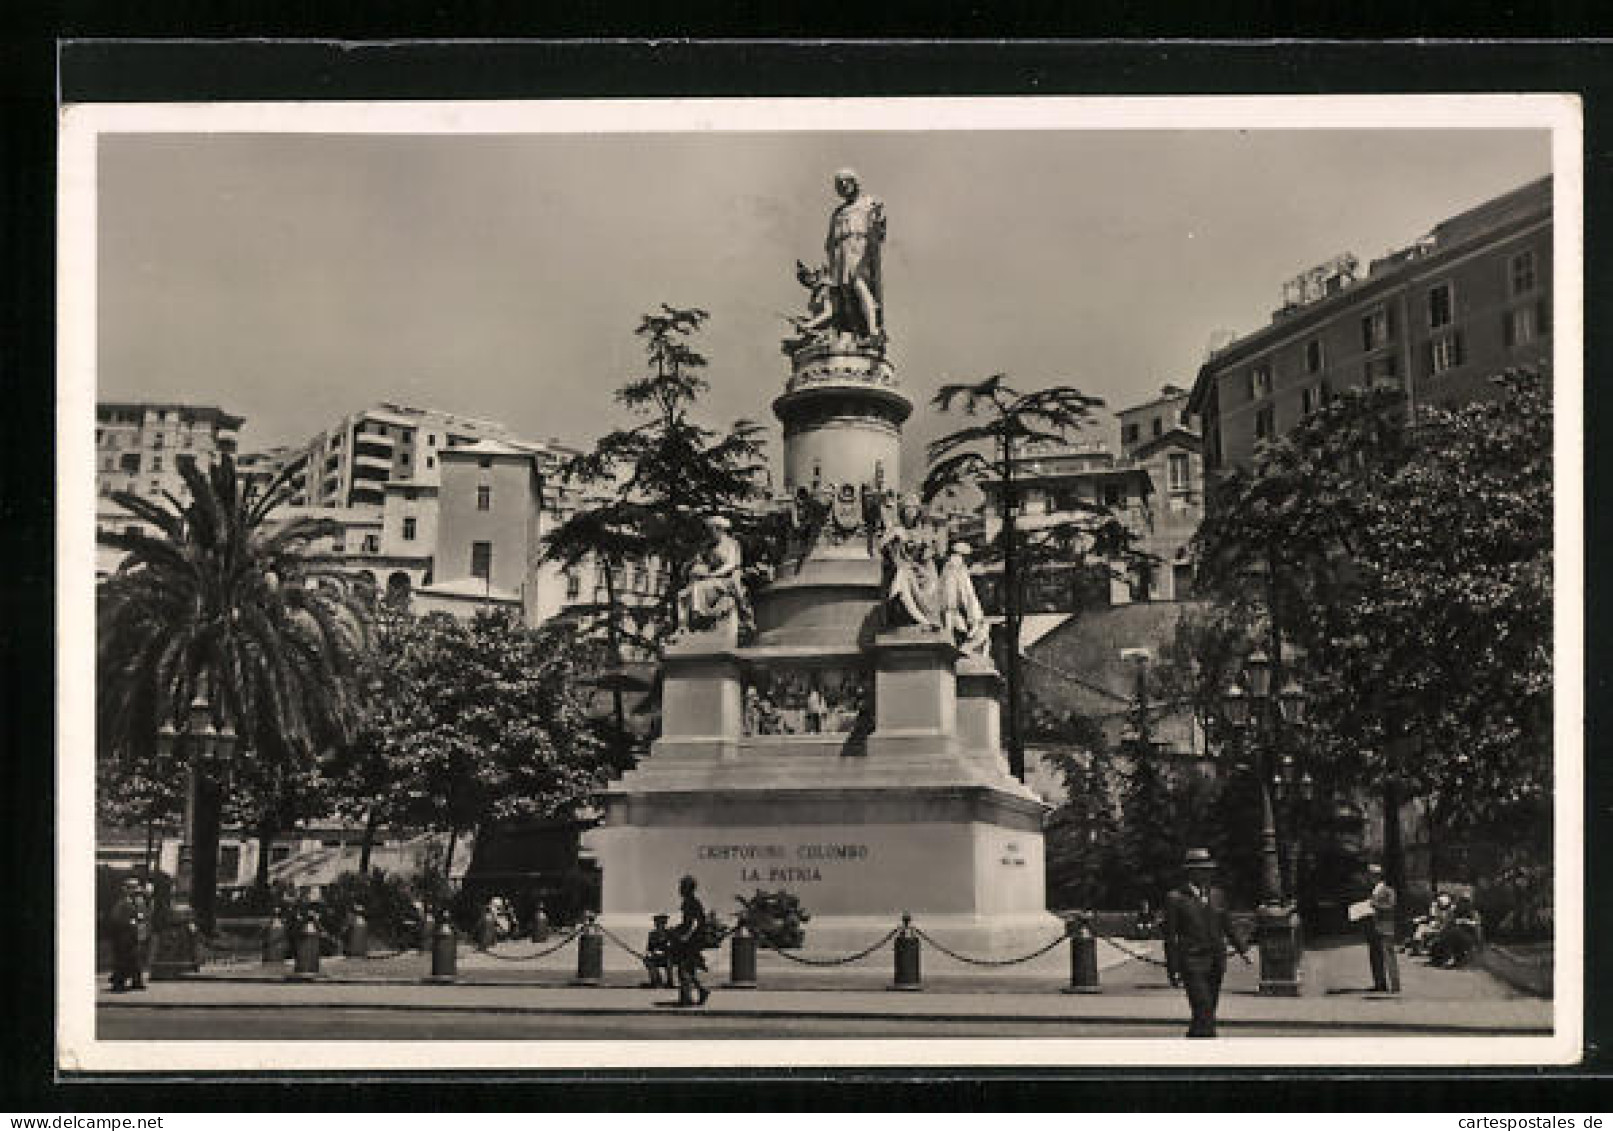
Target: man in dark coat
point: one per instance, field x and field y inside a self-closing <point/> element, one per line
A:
<point x="1197" y="929"/>
<point x="1380" y="932"/>
<point x="658" y="954"/>
<point x="687" y="942"/>
<point x="127" y="921"/>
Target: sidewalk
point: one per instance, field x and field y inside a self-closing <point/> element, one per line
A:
<point x="1336" y="998"/>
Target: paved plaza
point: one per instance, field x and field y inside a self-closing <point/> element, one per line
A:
<point x="364" y="998"/>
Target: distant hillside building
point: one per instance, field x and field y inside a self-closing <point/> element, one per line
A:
<point x="1436" y="320"/>
<point x="1155" y="488"/>
<point x="138" y="445"/>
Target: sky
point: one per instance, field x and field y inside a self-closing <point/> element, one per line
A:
<point x="292" y="279"/>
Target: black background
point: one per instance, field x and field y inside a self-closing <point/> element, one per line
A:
<point x="317" y="65"/>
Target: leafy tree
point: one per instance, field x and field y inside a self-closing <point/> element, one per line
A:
<point x="1411" y="561"/>
<point x="659" y="480"/>
<point x="1082" y="841"/>
<point x="1014" y="424"/>
<point x="223" y="601"/>
<point x="482" y="722"/>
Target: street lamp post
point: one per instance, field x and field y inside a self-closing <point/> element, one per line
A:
<point x="202" y="747"/>
<point x="1275" y="920"/>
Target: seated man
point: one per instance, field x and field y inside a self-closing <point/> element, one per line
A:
<point x="658" y="955"/>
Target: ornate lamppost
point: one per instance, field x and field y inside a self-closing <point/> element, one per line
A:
<point x="204" y="749"/>
<point x="1276" y="921"/>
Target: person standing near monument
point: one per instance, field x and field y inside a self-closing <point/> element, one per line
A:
<point x="687" y="944"/>
<point x="856" y="233"/>
<point x="128" y="931"/>
<point x="1380" y="932"/>
<point x="1197" y="929"/>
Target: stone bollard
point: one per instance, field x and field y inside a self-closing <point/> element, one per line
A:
<point x="444" y="952"/>
<point x="742" y="958"/>
<point x="908" y="976"/>
<point x="306" y="951"/>
<point x="276" y="941"/>
<point x="358" y="934"/>
<point x="590" y="954"/>
<point x="1083" y="956"/>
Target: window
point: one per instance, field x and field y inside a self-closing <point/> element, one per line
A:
<point x="1521" y="272"/>
<point x="431" y="439"/>
<point x="640" y="579"/>
<point x="187" y="441"/>
<point x="1324" y="389"/>
<point x="1313" y="356"/>
<point x="1383" y="370"/>
<point x="1265" y="424"/>
<point x="1259" y="381"/>
<point x="1519" y="326"/>
<point x="156" y="463"/>
<point x="431" y="462"/>
<point x="372" y="543"/>
<point x="156" y="442"/>
<point x="484" y="497"/>
<point x="573" y="585"/>
<point x="1374" y="328"/>
<point x="229" y="863"/>
<point x="1307" y="401"/>
<point x="1445" y="353"/>
<point x="1132" y="433"/>
<point x="1178" y="470"/>
<point x="1159" y="426"/>
<point x="403" y="458"/>
<point x="1439" y="306"/>
<point x="408" y="528"/>
<point x="1113" y="495"/>
<point x="485" y="462"/>
<point x="154" y="487"/>
<point x="481" y="559"/>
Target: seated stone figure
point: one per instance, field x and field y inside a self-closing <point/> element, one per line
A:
<point x="716" y="586"/>
<point x="961" y="614"/>
<point x="912" y="585"/>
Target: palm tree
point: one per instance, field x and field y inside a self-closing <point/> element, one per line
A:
<point x="222" y="600"/>
<point x="1015" y="421"/>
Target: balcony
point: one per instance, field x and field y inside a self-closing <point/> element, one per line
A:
<point x="363" y="460"/>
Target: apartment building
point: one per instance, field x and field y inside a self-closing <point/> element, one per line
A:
<point x="1435" y="320"/>
<point x="138" y="445"/>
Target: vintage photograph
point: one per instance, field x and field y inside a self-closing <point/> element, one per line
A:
<point x="1016" y="581"/>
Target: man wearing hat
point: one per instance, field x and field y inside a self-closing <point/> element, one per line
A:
<point x="128" y="925"/>
<point x="1380" y="932"/>
<point x="658" y="954"/>
<point x="1197" y="929"/>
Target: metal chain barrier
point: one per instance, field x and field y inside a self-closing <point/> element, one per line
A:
<point x="1128" y="952"/>
<point x="859" y="956"/>
<point x="380" y="955"/>
<point x="1139" y="955"/>
<point x="218" y="956"/>
<point x="919" y="931"/>
<point x="638" y="954"/>
<point x="541" y="952"/>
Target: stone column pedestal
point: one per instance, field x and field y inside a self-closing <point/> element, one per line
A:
<point x="915" y="690"/>
<point x="1277" y="933"/>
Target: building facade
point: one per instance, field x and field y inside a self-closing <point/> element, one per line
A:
<point x="1436" y="320"/>
<point x="1154" y="488"/>
<point x="138" y="446"/>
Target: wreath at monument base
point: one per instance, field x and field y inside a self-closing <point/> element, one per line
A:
<point x="775" y="918"/>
